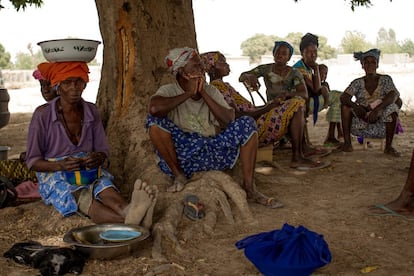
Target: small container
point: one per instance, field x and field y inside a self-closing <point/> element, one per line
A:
<point x="83" y="177"/>
<point x="4" y="150"/>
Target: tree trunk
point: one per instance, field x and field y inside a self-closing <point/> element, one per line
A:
<point x="136" y="35"/>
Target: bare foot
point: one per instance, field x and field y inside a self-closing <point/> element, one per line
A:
<point x="178" y="184"/>
<point x="147" y="221"/>
<point x="142" y="200"/>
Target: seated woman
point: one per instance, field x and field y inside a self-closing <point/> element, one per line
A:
<point x="318" y="93"/>
<point x="374" y="113"/>
<point x="281" y="115"/>
<point x="193" y="129"/>
<point x="66" y="137"/>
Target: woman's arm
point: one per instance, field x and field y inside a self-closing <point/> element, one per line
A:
<point x="222" y="114"/>
<point x="160" y="106"/>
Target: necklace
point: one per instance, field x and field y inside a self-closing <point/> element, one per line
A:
<point x="73" y="137"/>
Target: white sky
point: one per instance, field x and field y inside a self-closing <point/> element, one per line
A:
<point x="220" y="24"/>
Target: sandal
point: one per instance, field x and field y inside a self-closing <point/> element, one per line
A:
<point x="316" y="166"/>
<point x="269" y="202"/>
<point x="193" y="208"/>
<point x="316" y="152"/>
<point x="311" y="165"/>
<point x="332" y="142"/>
<point x="8" y="193"/>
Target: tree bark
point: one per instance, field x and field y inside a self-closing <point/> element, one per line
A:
<point x="137" y="36"/>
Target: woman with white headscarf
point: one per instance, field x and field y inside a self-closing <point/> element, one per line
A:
<point x="194" y="129"/>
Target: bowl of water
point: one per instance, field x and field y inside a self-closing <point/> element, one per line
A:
<point x="103" y="241"/>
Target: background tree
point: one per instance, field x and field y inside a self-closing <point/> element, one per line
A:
<point x="325" y="51"/>
<point x="258" y="45"/>
<point x="354" y="41"/>
<point x="294" y="39"/>
<point x="387" y="41"/>
<point x="4" y="58"/>
<point x="28" y="61"/>
<point x="408" y="47"/>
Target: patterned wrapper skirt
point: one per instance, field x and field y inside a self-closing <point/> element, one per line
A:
<point x="199" y="153"/>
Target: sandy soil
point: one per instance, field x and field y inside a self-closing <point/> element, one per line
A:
<point x="332" y="202"/>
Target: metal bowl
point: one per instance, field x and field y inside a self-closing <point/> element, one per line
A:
<point x="88" y="241"/>
<point x="71" y="49"/>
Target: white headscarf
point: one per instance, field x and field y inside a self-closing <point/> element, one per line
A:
<point x="178" y="58"/>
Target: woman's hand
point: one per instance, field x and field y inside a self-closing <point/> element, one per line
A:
<point x="93" y="160"/>
<point x="373" y="116"/>
<point x="196" y="82"/>
<point x="69" y="164"/>
<point x="276" y="102"/>
<point x="251" y="82"/>
<point x="360" y="111"/>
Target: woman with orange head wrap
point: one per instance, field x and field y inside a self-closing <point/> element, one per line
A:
<point x="67" y="147"/>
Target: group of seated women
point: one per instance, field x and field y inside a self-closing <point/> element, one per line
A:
<point x="293" y="92"/>
<point x="195" y="126"/>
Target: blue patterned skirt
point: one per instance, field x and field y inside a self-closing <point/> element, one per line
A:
<point x="56" y="190"/>
<point x="199" y="153"/>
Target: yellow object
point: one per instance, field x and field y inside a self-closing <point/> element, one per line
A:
<point x="265" y="153"/>
<point x="369" y="269"/>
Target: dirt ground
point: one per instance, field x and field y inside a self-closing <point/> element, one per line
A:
<point x="331" y="201"/>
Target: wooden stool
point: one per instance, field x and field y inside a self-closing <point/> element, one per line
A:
<point x="380" y="140"/>
<point x="265" y="153"/>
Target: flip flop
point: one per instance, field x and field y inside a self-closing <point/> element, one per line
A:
<point x="193" y="208"/>
<point x="315" y="165"/>
<point x="27" y="189"/>
<point x="317" y="153"/>
<point x="389" y="212"/>
<point x="269" y="202"/>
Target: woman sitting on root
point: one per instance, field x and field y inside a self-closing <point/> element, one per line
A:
<point x="193" y="129"/>
<point x="66" y="138"/>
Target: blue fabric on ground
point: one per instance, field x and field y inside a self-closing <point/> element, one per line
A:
<point x="288" y="251"/>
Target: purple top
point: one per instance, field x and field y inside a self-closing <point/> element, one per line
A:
<point x="47" y="137"/>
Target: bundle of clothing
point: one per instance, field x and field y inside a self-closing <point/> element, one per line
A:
<point x="50" y="260"/>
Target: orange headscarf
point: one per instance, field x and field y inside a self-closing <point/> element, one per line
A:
<point x="56" y="72"/>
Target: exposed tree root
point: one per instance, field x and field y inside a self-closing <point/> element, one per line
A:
<point x="214" y="189"/>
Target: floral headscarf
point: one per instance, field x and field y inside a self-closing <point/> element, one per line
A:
<point x="209" y="59"/>
<point x="37" y="75"/>
<point x="284" y="43"/>
<point x="178" y="58"/>
<point x="370" y="53"/>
